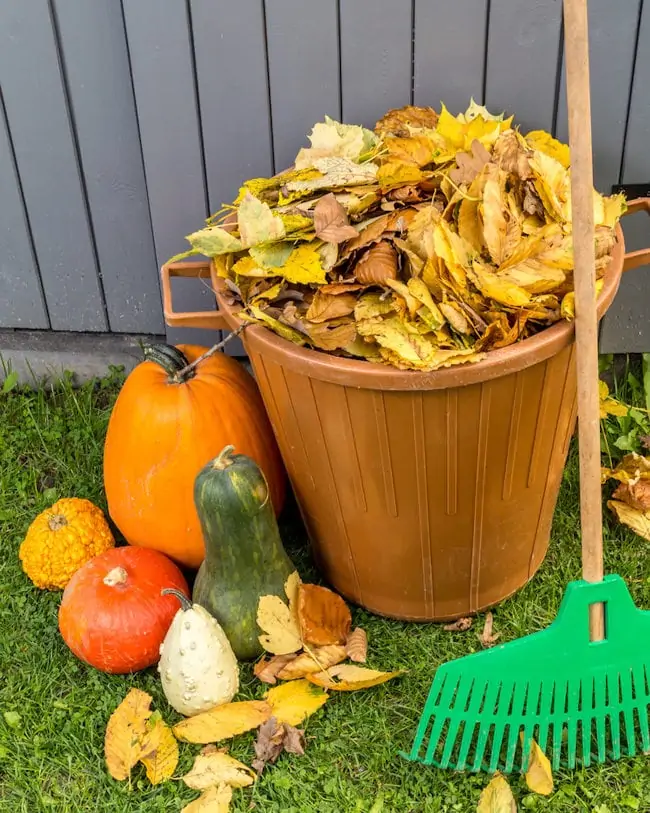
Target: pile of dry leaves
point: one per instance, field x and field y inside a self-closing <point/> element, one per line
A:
<point x="309" y="637"/>
<point x="422" y="244"/>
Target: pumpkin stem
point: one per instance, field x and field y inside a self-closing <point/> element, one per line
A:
<point x="56" y="522"/>
<point x="173" y="361"/>
<point x="188" y="371"/>
<point x="224" y="458"/>
<point x="186" y="604"/>
<point x="115" y="576"/>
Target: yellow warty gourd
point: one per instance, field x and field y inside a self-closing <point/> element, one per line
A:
<point x="61" y="539"/>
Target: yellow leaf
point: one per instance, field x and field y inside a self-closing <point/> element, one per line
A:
<point x="420" y="232"/>
<point x="455" y="252"/>
<point x="638" y="521"/>
<point x="293" y="702"/>
<point x="291" y="587"/>
<point x="609" y="406"/>
<point x="493" y="210"/>
<point x="553" y="185"/>
<point x="398" y="173"/>
<point x="497" y="288"/>
<point x="159" y="752"/>
<point x="468" y="215"/>
<point x="614" y="208"/>
<point x="248" y="267"/>
<point x="273" y="256"/>
<point x="372" y="305"/>
<point x="539" y="776"/>
<point x="223" y="722"/>
<point x="497" y="797"/>
<point x="632" y="468"/>
<point x="417" y="149"/>
<point x="315" y="660"/>
<point x="331" y="138"/>
<point x="336" y="172"/>
<point x="257" y="223"/>
<point x="459" y="132"/>
<point x="351" y="678"/>
<point x="212" y="768"/>
<point x="544" y="142"/>
<point x="475" y="110"/>
<point x="213" y="800"/>
<point x="213" y="240"/>
<point x="419" y="290"/>
<point x="455" y="318"/>
<point x="282" y="631"/>
<point x="124" y="733"/>
<point x="303" y="266"/>
<point x="255" y="314"/>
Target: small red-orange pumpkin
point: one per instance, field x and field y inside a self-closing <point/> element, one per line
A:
<point x="162" y="432"/>
<point x="112" y="614"/>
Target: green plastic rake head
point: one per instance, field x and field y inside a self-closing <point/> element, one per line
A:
<point x="581" y="701"/>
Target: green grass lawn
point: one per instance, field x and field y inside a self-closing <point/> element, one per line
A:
<point x="53" y="709"/>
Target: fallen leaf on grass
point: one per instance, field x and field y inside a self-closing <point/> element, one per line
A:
<point x="279" y="624"/>
<point x="636" y="495"/>
<point x="351" y="678"/>
<point x="331" y="221"/>
<point x="632" y="468"/>
<point x="460" y="625"/>
<point x="294" y="701"/>
<point x="212" y="768"/>
<point x="125" y="731"/>
<point x="638" y="521"/>
<point x="223" y="722"/>
<point x="487" y="637"/>
<point x="497" y="797"/>
<point x="267" y="670"/>
<point x="609" y="405"/>
<point x="159" y="753"/>
<point x="213" y="800"/>
<point x="272" y="739"/>
<point x="356" y="646"/>
<point x="324" y="617"/>
<point x="539" y="776"/>
<point x="314" y="660"/>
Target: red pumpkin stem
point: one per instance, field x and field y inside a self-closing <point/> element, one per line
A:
<point x="115" y="576"/>
<point x="182" y="375"/>
<point x="186" y="604"/>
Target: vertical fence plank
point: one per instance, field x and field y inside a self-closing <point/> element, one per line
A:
<point x="612" y="37"/>
<point x="449" y="52"/>
<point x="160" y="45"/>
<point x="229" y="42"/>
<point x="21" y="298"/>
<point x="626" y="327"/>
<point x="97" y="68"/>
<point x="376" y="45"/>
<point x="43" y="139"/>
<point x="231" y="69"/>
<point x="303" y="52"/>
<point x="523" y="41"/>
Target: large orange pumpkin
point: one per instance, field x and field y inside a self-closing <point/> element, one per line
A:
<point x="163" y="431"/>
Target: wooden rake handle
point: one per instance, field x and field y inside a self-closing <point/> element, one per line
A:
<point x="586" y="323"/>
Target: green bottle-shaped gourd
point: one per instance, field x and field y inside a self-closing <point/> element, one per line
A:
<point x="244" y="555"/>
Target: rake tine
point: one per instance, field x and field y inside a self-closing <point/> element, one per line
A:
<point x="513" y="729"/>
<point x="573" y="709"/>
<point x="545" y="713"/>
<point x="587" y="687"/>
<point x="434" y="694"/>
<point x="531" y="718"/>
<point x="500" y="727"/>
<point x="470" y="725"/>
<point x="641" y="701"/>
<point x="627" y="692"/>
<point x="459" y="706"/>
<point x="491" y="699"/>
<point x="440" y="716"/>
<point x="558" y="721"/>
<point x="599" y="687"/>
<point x="613" y="690"/>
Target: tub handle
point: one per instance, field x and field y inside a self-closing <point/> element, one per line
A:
<point x="633" y="259"/>
<point x="212" y="320"/>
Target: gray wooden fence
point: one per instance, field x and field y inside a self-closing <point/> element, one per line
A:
<point x="123" y="124"/>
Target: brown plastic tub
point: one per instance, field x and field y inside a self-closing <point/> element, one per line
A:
<point x="427" y="496"/>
